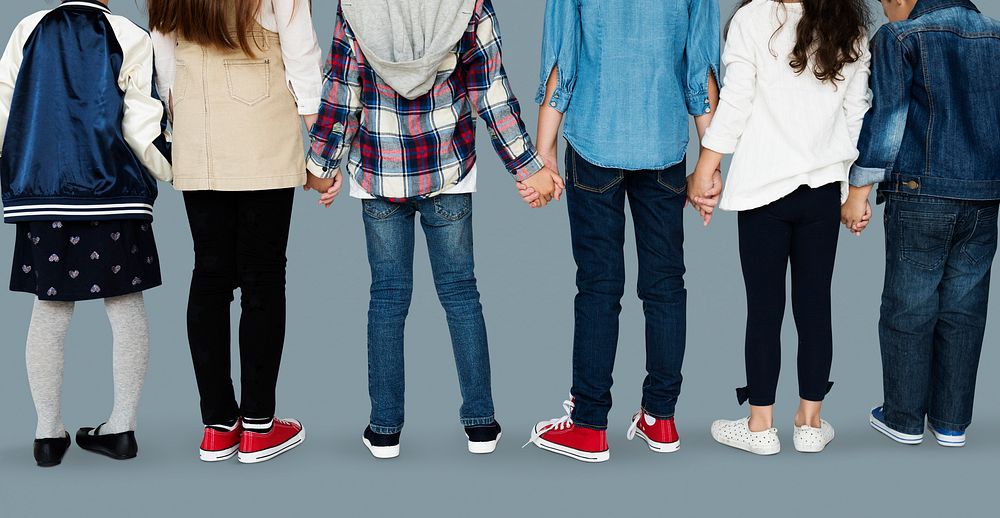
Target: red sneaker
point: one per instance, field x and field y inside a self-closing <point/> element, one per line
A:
<point x="659" y="434"/>
<point x="284" y="435"/>
<point x="576" y="442"/>
<point x="219" y="443"/>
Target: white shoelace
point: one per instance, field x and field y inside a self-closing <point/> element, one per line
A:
<point x="630" y="434"/>
<point x="561" y="423"/>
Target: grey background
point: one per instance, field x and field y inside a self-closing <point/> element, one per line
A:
<point x="526" y="276"/>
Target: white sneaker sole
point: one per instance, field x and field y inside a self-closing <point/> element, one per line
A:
<point x="772" y="450"/>
<point x="901" y="438"/>
<point x="659" y="447"/>
<point x="218" y="456"/>
<point x="810" y="448"/>
<point x="483" y="448"/>
<point x="381" y="452"/>
<point x="582" y="456"/>
<point x="270" y="453"/>
<point x="948" y="441"/>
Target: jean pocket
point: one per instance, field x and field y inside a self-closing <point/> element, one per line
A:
<point x="379" y="209"/>
<point x="924" y="237"/>
<point x="674" y="178"/>
<point x="982" y="245"/>
<point x="249" y="80"/>
<point x="453" y="207"/>
<point x="592" y="178"/>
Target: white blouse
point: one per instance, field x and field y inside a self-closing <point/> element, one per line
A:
<point x="299" y="48"/>
<point x="784" y="129"/>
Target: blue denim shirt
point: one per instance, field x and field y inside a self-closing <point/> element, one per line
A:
<point x="934" y="127"/>
<point x="630" y="72"/>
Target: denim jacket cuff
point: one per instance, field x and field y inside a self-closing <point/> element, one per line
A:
<point x="864" y="176"/>
<point x="321" y="168"/>
<point x="559" y="101"/>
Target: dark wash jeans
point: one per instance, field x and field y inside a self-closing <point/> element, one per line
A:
<point x="802" y="229"/>
<point x="389" y="231"/>
<point x="596" y="197"/>
<point x="240" y="240"/>
<point x="939" y="255"/>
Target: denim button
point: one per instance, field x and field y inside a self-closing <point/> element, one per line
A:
<point x="912" y="184"/>
<point x="552" y="104"/>
<point x="706" y="101"/>
<point x="708" y="110"/>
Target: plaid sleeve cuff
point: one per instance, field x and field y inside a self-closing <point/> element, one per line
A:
<point x="321" y="168"/>
<point x="864" y="176"/>
<point x="530" y="164"/>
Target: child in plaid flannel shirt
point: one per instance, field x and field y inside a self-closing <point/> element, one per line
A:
<point x="397" y="115"/>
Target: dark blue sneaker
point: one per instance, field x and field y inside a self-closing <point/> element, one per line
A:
<point x="945" y="437"/>
<point x="877" y="420"/>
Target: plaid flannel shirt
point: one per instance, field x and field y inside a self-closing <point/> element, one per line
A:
<point x="403" y="149"/>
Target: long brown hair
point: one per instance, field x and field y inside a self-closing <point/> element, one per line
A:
<point x="206" y="22"/>
<point x="829" y="36"/>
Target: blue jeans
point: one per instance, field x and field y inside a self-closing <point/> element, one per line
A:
<point x="389" y="229"/>
<point x="939" y="254"/>
<point x="596" y="200"/>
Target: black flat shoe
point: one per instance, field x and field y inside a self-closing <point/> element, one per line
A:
<point x="118" y="446"/>
<point x="50" y="452"/>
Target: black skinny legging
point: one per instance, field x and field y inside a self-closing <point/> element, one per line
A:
<point x="802" y="227"/>
<point x="240" y="241"/>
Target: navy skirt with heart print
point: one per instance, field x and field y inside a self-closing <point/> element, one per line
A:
<point x="81" y="260"/>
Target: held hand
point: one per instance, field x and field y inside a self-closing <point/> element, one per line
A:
<point x="856" y="214"/>
<point x="328" y="188"/>
<point x="704" y="192"/>
<point x="327" y="198"/>
<point x="546" y="184"/>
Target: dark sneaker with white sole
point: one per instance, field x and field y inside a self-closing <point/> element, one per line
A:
<point x="946" y="437"/>
<point x="483" y="438"/>
<point x="876" y="418"/>
<point x="381" y="446"/>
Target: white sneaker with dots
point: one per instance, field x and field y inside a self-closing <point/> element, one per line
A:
<point x="812" y="440"/>
<point x="737" y="434"/>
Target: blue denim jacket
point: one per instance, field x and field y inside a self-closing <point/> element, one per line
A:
<point x="934" y="127"/>
<point x="630" y="72"/>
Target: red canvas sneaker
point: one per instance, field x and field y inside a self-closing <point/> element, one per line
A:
<point x="576" y="442"/>
<point x="284" y="435"/>
<point x="220" y="442"/>
<point x="660" y="434"/>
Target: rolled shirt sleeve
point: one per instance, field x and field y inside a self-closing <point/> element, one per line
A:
<point x="882" y="132"/>
<point x="560" y="51"/>
<point x="701" y="53"/>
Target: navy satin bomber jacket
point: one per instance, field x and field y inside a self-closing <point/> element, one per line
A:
<point x="82" y="127"/>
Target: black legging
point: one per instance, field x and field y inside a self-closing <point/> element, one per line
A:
<point x="803" y="227"/>
<point x="240" y="241"/>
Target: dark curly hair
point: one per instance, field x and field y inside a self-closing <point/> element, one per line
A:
<point x="828" y="37"/>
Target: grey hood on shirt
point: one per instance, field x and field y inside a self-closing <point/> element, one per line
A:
<point x="406" y="41"/>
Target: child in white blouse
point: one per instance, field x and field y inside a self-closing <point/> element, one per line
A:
<point x="795" y="97"/>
